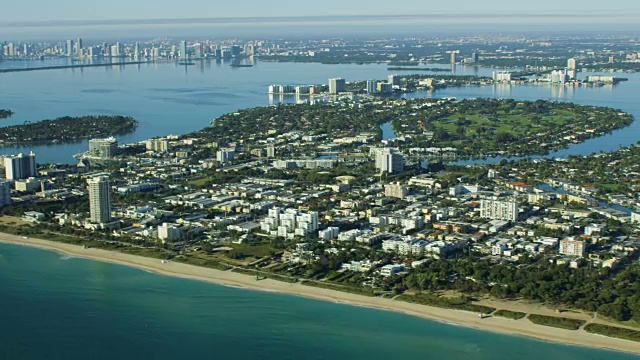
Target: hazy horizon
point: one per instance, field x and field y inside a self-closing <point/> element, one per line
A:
<point x="317" y="26"/>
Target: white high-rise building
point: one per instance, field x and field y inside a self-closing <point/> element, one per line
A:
<point x="20" y="166"/>
<point x="394" y="80"/>
<point x="271" y="151"/>
<point x="79" y="47"/>
<point x="225" y="155"/>
<point x="337" y="85"/>
<point x="501" y="76"/>
<point x="100" y="199"/>
<point x="558" y="76"/>
<point x="289" y="223"/>
<point x="169" y="232"/>
<point x="69" y="48"/>
<point x="499" y="209"/>
<point x="389" y="161"/>
<point x="157" y="145"/>
<point x="571" y="64"/>
<point x="372" y="86"/>
<point x="183" y="50"/>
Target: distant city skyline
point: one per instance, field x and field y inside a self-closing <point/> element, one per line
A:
<point x="44" y="10"/>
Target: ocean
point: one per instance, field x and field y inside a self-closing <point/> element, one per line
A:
<point x="57" y="307"/>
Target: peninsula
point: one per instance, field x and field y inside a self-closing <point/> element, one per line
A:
<point x="67" y="129"/>
<point x="310" y="199"/>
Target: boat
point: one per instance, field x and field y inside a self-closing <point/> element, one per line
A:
<point x="240" y="65"/>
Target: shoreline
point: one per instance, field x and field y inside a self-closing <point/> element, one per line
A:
<point x="522" y="327"/>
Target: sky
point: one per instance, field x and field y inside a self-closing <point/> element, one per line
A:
<point x="48" y="10"/>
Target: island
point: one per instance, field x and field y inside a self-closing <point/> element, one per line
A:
<point x="478" y="127"/>
<point x="4" y="113"/>
<point x="68" y="129"/>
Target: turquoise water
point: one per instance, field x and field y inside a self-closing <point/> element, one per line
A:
<point x="56" y="307"/>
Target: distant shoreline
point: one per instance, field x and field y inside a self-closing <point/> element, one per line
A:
<point x="227" y="278"/>
<point x="56" y="67"/>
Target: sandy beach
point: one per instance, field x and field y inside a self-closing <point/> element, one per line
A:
<point x="522" y="327"/>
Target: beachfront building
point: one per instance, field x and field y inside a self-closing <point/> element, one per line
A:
<point x="289" y="223"/>
<point x="100" y="199"/>
<point x="169" y="232"/>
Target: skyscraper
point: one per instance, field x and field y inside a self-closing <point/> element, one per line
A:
<point x="571" y="64"/>
<point x="20" y="166"/>
<point x="183" y="49"/>
<point x="69" y="48"/>
<point x="236" y="51"/>
<point x="337" y="85"/>
<point x="100" y="199"/>
<point x="79" y="47"/>
<point x="136" y="51"/>
<point x="453" y="56"/>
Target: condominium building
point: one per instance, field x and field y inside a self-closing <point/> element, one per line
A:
<point x="501" y="76"/>
<point x="100" y="199"/>
<point x="169" y="232"/>
<point x="389" y="161"/>
<point x="572" y="247"/>
<point x="499" y="209"/>
<point x="20" y="166"/>
<point x="225" y="155"/>
<point x="157" y="145"/>
<point x="395" y="191"/>
<point x="337" y="85"/>
<point x="394" y="80"/>
<point x="289" y="223"/>
<point x="372" y="86"/>
<point x="103" y="148"/>
<point x="271" y="151"/>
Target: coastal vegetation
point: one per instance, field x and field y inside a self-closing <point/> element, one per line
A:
<point x="514" y="315"/>
<point x="612" y="294"/>
<point x="559" y="322"/>
<point x="458" y="303"/>
<point x="68" y="129"/>
<point x="613" y="331"/>
<point x="4" y="113"/>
